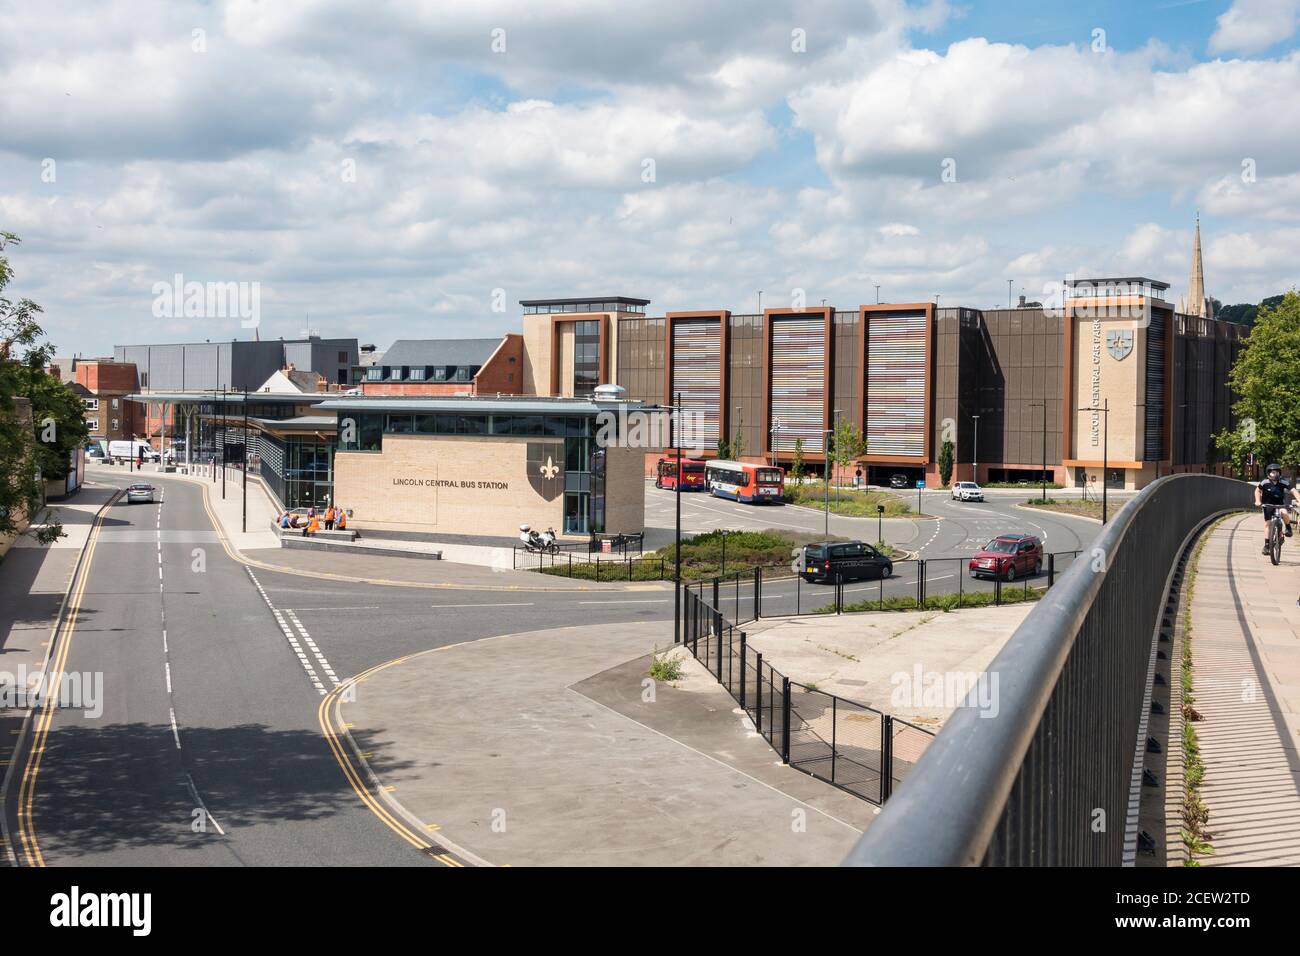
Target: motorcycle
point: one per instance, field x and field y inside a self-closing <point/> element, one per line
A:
<point x="541" y="543"/>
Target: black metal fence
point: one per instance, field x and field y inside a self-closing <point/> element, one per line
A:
<point x="1054" y="778"/>
<point x="592" y="567"/>
<point x="850" y="745"/>
<point x="776" y="591"/>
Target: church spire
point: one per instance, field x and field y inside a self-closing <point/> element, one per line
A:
<point x="1196" y="301"/>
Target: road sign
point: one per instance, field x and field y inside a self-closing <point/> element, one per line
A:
<point x="920" y="485"/>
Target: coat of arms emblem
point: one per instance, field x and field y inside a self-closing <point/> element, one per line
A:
<point x="1119" y="344"/>
<point x="546" y="468"/>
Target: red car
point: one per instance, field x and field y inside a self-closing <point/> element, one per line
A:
<point x="1008" y="556"/>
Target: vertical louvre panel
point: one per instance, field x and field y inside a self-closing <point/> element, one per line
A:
<point x="896" y="385"/>
<point x="697" y="377"/>
<point x="1154" y="411"/>
<point x="798" y="381"/>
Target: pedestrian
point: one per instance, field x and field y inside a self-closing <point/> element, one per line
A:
<point x="342" y="521"/>
<point x="313" y="525"/>
<point x="286" y="521"/>
<point x="329" y="518"/>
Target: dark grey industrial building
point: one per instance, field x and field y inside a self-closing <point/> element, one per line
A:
<point x="235" y="365"/>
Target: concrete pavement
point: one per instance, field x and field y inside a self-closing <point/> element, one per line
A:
<point x="543" y="748"/>
<point x="34" y="582"/>
<point x="889" y="660"/>
<point x="1245" y="643"/>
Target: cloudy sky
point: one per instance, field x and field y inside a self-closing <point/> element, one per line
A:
<point x="381" y="169"/>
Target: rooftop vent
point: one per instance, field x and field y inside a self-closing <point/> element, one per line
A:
<point x="609" y="393"/>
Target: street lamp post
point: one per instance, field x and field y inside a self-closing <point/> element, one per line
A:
<point x="677" y="534"/>
<point x="776" y="427"/>
<point x="880" y="524"/>
<point x="1043" y="406"/>
<point x="244" y="516"/>
<point x="223" y="442"/>
<point x="975" y="452"/>
<point x="826" y="455"/>
<point x="1104" y="408"/>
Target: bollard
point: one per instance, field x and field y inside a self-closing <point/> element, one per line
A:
<point x="742" y="670"/>
<point x="785" y="720"/>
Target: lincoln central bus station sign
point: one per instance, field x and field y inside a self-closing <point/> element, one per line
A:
<point x="485" y="466"/>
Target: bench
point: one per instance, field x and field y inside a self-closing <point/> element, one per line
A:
<point x="347" y="534"/>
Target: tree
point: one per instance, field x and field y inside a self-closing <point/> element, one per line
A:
<point x="1243" y="313"/>
<point x="737" y="444"/>
<point x="1266" y="379"/>
<point x="724" y="450"/>
<point x="796" y="467"/>
<point x="945" y="463"/>
<point x="31" y="451"/>
<point x="846" y="444"/>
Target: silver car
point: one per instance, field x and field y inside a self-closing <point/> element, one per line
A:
<point x="139" y="492"/>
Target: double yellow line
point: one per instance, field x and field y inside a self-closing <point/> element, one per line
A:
<point x="55" y="661"/>
<point x="330" y="724"/>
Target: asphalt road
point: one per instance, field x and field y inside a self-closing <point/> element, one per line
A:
<point x="955" y="528"/>
<point x="208" y="750"/>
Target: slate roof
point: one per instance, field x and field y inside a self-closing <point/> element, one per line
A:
<point x="424" y="352"/>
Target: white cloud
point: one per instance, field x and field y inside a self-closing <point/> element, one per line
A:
<point x="1267" y="197"/>
<point x="525" y="170"/>
<point x="1249" y="26"/>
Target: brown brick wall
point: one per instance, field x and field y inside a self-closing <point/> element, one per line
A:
<point x="504" y="371"/>
<point x="102" y="377"/>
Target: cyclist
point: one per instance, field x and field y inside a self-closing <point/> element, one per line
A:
<point x="1274" y="492"/>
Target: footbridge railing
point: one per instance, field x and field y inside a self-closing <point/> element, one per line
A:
<point x="1051" y="776"/>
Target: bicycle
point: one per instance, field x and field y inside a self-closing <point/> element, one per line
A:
<point x="1276" y="532"/>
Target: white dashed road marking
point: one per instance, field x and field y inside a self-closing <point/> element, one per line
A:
<point x="292" y="638"/>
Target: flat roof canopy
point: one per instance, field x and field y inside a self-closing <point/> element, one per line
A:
<point x="582" y="300"/>
<point x="233" y="398"/>
<point x="488" y="406"/>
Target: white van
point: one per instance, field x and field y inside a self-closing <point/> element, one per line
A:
<point x="132" y="449"/>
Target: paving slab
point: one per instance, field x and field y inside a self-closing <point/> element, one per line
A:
<point x="884" y="658"/>
<point x="498" y="745"/>
<point x="1246" y="682"/>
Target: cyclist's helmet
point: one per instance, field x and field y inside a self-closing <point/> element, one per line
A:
<point x="1272" y="467"/>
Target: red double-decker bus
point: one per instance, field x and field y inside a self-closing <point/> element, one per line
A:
<point x="692" y="470"/>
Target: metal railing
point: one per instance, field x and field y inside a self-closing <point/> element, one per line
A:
<point x="776" y="591"/>
<point x="1054" y="777"/>
<point x="592" y="567"/>
<point x="852" y="746"/>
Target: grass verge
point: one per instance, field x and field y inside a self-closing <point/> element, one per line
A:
<point x="703" y="556"/>
<point x="938" y="602"/>
<point x="853" y="504"/>
<point x="1195" y="813"/>
<point x="1087" y="509"/>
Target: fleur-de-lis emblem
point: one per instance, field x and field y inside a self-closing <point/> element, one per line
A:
<point x="549" y="470"/>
